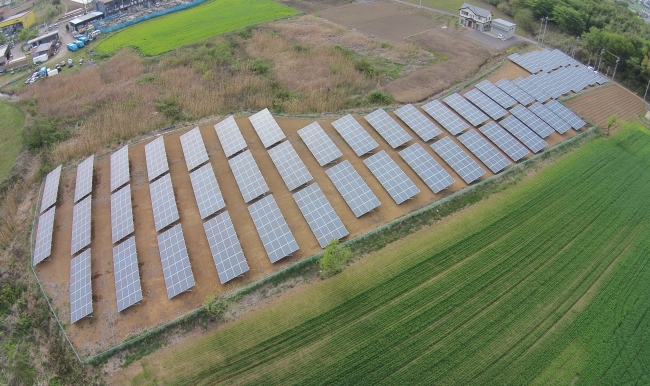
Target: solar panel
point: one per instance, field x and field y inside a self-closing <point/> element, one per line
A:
<point x="389" y="130"/>
<point x="524" y="134"/>
<point x="127" y="275"/>
<point x="460" y="161"/>
<point x="515" y="92"/>
<point x="532" y="121"/>
<point x="355" y="135"/>
<point x="496" y="94"/>
<point x="80" y="225"/>
<point x="325" y="224"/>
<point x="482" y="149"/>
<point x="84" y="184"/>
<point x="121" y="214"/>
<point x="319" y="143"/>
<point x="248" y="176"/>
<point x="193" y="148"/>
<point x="391" y="177"/>
<point x="353" y="188"/>
<point x="445" y="117"/>
<point x="466" y="109"/>
<point x="486" y="104"/>
<point x="291" y="168"/>
<point x="504" y="141"/>
<point x="414" y="119"/>
<point x="206" y="191"/>
<point x="163" y="203"/>
<point x="267" y="128"/>
<point x="430" y="171"/>
<point x="550" y="118"/>
<point x="567" y="115"/>
<point x="120" y="168"/>
<point x="156" y="157"/>
<point x="43" y="245"/>
<point x="175" y="261"/>
<point x="230" y="137"/>
<point x="81" y="290"/>
<point x="272" y="228"/>
<point x="225" y="248"/>
<point x="51" y="189"/>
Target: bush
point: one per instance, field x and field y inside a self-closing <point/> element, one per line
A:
<point x="524" y="18"/>
<point x="170" y="107"/>
<point x="216" y="306"/>
<point x="334" y="258"/>
<point x="260" y="67"/>
<point x="380" y="98"/>
<point x="43" y="132"/>
<point x="505" y="7"/>
<point x="366" y="68"/>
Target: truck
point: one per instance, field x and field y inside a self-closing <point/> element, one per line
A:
<point x="83" y="38"/>
<point x="52" y="72"/>
<point x="79" y="43"/>
<point x="72" y="47"/>
<point x="43" y="71"/>
<point x="40" y="59"/>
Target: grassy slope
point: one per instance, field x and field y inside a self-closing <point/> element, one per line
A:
<point x="546" y="282"/>
<point x="195" y="24"/>
<point x="11" y="122"/>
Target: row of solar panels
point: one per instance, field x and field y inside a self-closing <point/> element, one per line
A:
<point x="543" y="60"/>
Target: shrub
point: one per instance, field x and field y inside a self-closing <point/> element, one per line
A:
<point x="170" y="107"/>
<point x="380" y="98"/>
<point x="524" y="18"/>
<point x="301" y="48"/>
<point x="43" y="132"/>
<point x="216" y="306"/>
<point x="366" y="68"/>
<point x="505" y="7"/>
<point x="145" y="79"/>
<point x="260" y="67"/>
<point x="334" y="258"/>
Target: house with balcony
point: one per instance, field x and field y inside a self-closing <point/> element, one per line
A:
<point x="475" y="17"/>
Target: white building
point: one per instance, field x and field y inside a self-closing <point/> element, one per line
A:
<point x="475" y="17"/>
<point x="503" y="27"/>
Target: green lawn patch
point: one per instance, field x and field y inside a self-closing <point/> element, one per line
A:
<point x="193" y="25"/>
<point x="11" y="122"/>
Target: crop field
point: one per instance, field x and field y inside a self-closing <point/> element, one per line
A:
<point x="545" y="282"/>
<point x="204" y="21"/>
<point x="11" y="123"/>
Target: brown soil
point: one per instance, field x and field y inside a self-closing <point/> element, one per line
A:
<point x="107" y="327"/>
<point x="598" y="105"/>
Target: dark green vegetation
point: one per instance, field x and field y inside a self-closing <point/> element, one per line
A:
<point x="11" y="121"/>
<point x="544" y="283"/>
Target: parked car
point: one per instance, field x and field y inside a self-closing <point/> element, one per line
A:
<point x="500" y="36"/>
<point x="69" y="62"/>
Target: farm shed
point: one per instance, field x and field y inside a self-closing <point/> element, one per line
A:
<point x="503" y="27"/>
<point x="475" y="17"/>
<point x="81" y="21"/>
<point x="42" y="49"/>
<point x="51" y="37"/>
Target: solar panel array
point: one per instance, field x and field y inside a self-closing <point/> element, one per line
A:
<point x="504" y="141"/>
<point x="248" y="176"/>
<point x="482" y="149"/>
<point x="543" y="60"/>
<point x="128" y="290"/>
<point x="353" y="188"/>
<point x="567" y="115"/>
<point x="121" y="214"/>
<point x="532" y="121"/>
<point x="120" y="168"/>
<point x="81" y="291"/>
<point x="319" y="143"/>
<point x="156" y="157"/>
<point x="230" y="137"/>
<point x="391" y="177"/>
<point x="80" y="225"/>
<point x="496" y="94"/>
<point x="414" y="119"/>
<point x="389" y="130"/>
<point x="193" y="148"/>
<point x="524" y="134"/>
<point x="272" y="228"/>
<point x="206" y="191"/>
<point x="325" y="224"/>
<point x="355" y="135"/>
<point x="84" y="184"/>
<point x="43" y="245"/>
<point x="445" y="117"/>
<point x="267" y="128"/>
<point x="528" y="88"/>
<point x="163" y="202"/>
<point x="466" y="109"/>
<point x="293" y="171"/>
<point x="423" y="164"/>
<point x="51" y="189"/>
<point x="486" y="104"/>
<point x="549" y="117"/>
<point x="225" y="248"/>
<point x="175" y="261"/>
<point x="515" y="92"/>
<point x="460" y="161"/>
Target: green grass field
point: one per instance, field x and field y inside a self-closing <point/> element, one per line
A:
<point x="543" y="283"/>
<point x="11" y="123"/>
<point x="204" y="21"/>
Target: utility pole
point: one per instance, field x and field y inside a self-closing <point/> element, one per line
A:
<point x="602" y="52"/>
<point x="618" y="59"/>
<point x="646" y="90"/>
<point x="539" y="35"/>
<point x="575" y="47"/>
<point x="545" y="25"/>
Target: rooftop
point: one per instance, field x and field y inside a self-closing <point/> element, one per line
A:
<point x="86" y="17"/>
<point x="504" y="22"/>
<point x="476" y="10"/>
<point x="47" y="35"/>
<point x="16" y="16"/>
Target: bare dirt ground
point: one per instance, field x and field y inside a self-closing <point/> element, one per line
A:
<point x="598" y="105"/>
<point x="107" y="327"/>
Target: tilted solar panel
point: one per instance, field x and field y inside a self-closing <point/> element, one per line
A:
<point x="353" y="188"/>
<point x="504" y="141"/>
<point x="272" y="228"/>
<point x="567" y="115"/>
<point x="81" y="291"/>
<point x="120" y="168"/>
<point x="355" y="135"/>
<point x="466" y="109"/>
<point x="460" y="161"/>
<point x="206" y="191"/>
<point x="43" y="245"/>
<point x="325" y="224"/>
<point x="414" y="119"/>
<point x="482" y="149"/>
<point x="389" y="130"/>
<point x="267" y="128"/>
<point x="248" y="176"/>
<point x="496" y="94"/>
<point x="175" y="261"/>
<point x="445" y="117"/>
<point x="163" y="202"/>
<point x="84" y="184"/>
<point x="293" y="171"/>
<point x="156" y="157"/>
<point x="515" y="92"/>
<point x="549" y="117"/>
<point x="121" y="214"/>
<point x="423" y="164"/>
<point x="532" y="121"/>
<point x="128" y="290"/>
<point x="391" y="177"/>
<point x="230" y="137"/>
<point x="225" y="248"/>
<point x="51" y="189"/>
<point x="81" y="225"/>
<point x="486" y="104"/>
<point x="319" y="143"/>
<point x="524" y="134"/>
<point x="193" y="149"/>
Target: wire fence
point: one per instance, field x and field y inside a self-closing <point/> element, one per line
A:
<point x="150" y="16"/>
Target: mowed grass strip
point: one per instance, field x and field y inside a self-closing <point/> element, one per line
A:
<point x="545" y="282"/>
<point x="193" y="25"/>
<point x="11" y="123"/>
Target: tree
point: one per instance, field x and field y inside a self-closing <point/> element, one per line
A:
<point x="334" y="258"/>
<point x="612" y="122"/>
<point x="2" y="39"/>
<point x="543" y="7"/>
<point x="568" y="19"/>
<point x="56" y="2"/>
<point x="524" y="18"/>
